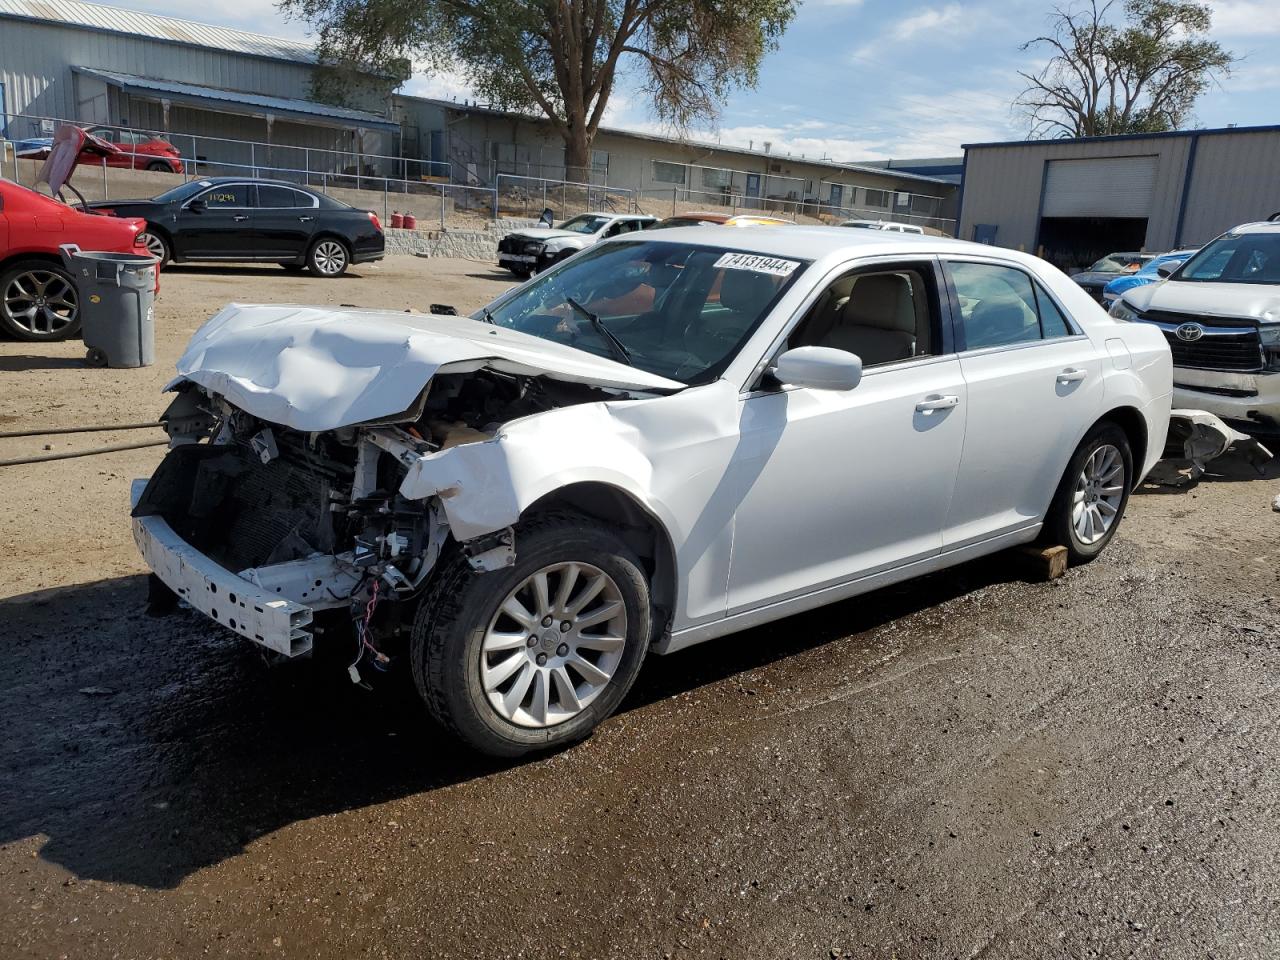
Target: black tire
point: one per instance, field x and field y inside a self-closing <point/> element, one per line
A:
<point x="451" y="624"/>
<point x="157" y="244"/>
<point x="51" y="320"/>
<point x="1059" y="525"/>
<point x="328" y="258"/>
<point x="518" y="273"/>
<point x="160" y="166"/>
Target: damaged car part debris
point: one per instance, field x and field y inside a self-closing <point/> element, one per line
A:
<point x="517" y="510"/>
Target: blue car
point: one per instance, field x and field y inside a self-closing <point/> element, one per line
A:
<point x="1149" y="273"/>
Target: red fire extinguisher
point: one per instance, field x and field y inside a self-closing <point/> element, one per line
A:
<point x="396" y="219"/>
<point x="410" y="222"/>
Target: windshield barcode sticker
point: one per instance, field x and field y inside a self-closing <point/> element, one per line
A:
<point x="758" y="264"/>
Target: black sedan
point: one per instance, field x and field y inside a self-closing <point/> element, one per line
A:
<point x="224" y="218"/>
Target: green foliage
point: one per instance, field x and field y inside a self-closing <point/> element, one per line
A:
<point x="1142" y="74"/>
<point x="562" y="57"/>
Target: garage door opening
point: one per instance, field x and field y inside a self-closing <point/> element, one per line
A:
<point x="1073" y="243"/>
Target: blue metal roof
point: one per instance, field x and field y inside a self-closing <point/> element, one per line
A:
<point x="226" y="101"/>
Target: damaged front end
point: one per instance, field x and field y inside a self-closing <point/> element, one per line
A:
<point x="281" y="534"/>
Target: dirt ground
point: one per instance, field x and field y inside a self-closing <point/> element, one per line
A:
<point x="971" y="765"/>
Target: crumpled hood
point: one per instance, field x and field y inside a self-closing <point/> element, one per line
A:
<point x="1259" y="300"/>
<point x="320" y="368"/>
<point x="546" y="233"/>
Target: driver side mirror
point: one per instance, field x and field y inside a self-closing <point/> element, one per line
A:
<point x="196" y="206"/>
<point x="1166" y="269"/>
<point x="818" y="368"/>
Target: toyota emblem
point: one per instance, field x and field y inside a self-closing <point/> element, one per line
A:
<point x="1190" y="332"/>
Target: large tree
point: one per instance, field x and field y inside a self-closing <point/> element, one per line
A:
<point x="1132" y="67"/>
<point x="562" y="58"/>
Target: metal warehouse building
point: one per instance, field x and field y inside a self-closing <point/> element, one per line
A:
<point x="1073" y="201"/>
<point x="63" y="59"/>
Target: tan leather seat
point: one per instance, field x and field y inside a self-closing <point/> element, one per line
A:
<point x="877" y="322"/>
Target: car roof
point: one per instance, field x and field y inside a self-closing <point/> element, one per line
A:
<point x="260" y="181"/>
<point x="814" y="243"/>
<point x="612" y="216"/>
<point x="1260" y="226"/>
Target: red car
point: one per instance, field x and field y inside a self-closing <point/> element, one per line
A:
<point x="38" y="297"/>
<point x="141" y="151"/>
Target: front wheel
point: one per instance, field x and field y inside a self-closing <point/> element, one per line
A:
<point x="1092" y="496"/>
<point x="535" y="655"/>
<point x="328" y="257"/>
<point x="156" y="244"/>
<point x="38" y="301"/>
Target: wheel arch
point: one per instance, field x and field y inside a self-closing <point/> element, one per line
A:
<point x="1131" y="421"/>
<point x="639" y="528"/>
<point x="21" y="256"/>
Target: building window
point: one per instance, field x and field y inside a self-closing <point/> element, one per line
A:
<point x="924" y="206"/>
<point x="877" y="198"/>
<point x="716" y="179"/>
<point x="665" y="172"/>
<point x="599" y="161"/>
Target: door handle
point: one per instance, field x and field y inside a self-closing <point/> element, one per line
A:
<point x="1072" y="375"/>
<point x="937" y="402"/>
<point x="306" y="219"/>
<point x="238" y="217"/>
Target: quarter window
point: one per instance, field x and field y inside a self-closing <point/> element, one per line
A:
<point x="1000" y="306"/>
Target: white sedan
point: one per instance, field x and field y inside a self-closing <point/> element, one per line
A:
<point x="671" y="437"/>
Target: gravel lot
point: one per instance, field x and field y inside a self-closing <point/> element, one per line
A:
<point x="974" y="764"/>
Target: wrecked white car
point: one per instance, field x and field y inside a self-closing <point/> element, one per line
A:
<point x="668" y="438"/>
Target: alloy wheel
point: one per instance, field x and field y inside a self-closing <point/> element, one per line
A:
<point x="330" y="257"/>
<point x="155" y="246"/>
<point x="1095" y="504"/>
<point x="554" y="644"/>
<point x="41" y="302"/>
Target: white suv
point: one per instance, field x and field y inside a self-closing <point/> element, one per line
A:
<point x="1220" y="312"/>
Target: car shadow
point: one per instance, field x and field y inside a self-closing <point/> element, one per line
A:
<point x="247" y="269"/>
<point x="17" y="362"/>
<point x="145" y="749"/>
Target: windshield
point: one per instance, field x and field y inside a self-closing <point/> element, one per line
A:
<point x="679" y="311"/>
<point x="1236" y="258"/>
<point x="1119" y="263"/>
<point x="585" y="223"/>
<point x="183" y="191"/>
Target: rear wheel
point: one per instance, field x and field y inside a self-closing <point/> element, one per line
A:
<point x="38" y="301"/>
<point x="1092" y="496"/>
<point x="328" y="257"/>
<point x="535" y="655"/>
<point x="159" y="165"/>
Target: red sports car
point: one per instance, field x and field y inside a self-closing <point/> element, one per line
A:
<point x="38" y="297"/>
<point x="134" y="149"/>
<point x="139" y="150"/>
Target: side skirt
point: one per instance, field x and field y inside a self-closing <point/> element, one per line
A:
<point x="785" y="608"/>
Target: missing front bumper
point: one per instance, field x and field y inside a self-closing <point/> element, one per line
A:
<point x="275" y="623"/>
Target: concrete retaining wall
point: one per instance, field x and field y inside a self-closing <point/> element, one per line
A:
<point x="467" y="244"/>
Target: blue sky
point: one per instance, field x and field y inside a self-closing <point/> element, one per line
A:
<point x="873" y="79"/>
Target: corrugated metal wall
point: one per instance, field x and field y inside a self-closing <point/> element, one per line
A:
<point x="1235" y="178"/>
<point x="36" y="60"/>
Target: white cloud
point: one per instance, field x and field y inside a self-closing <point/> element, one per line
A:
<point x="446" y="85"/>
<point x="1244" y="18"/>
<point x="927" y="21"/>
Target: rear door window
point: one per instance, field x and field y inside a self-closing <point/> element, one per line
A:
<point x="1001" y="306"/>
<point x="276" y="198"/>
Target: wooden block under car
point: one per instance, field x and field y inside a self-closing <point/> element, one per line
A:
<point x="1047" y="563"/>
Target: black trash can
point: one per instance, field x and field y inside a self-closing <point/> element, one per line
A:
<point x="117" y="306"/>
